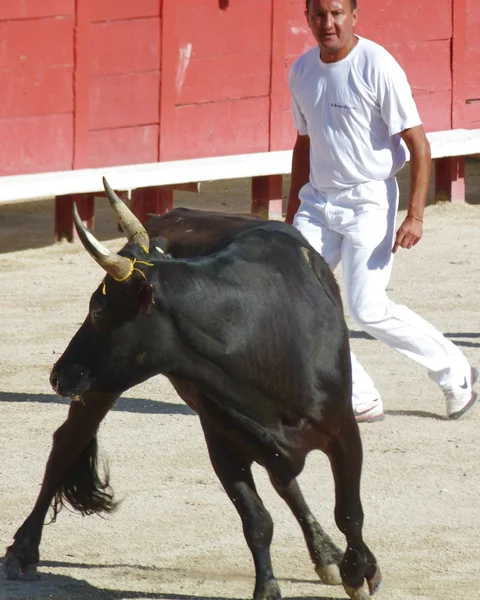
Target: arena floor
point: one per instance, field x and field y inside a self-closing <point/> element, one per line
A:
<point x="175" y="533"/>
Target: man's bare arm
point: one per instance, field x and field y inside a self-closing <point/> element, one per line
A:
<point x="300" y="174"/>
<point x="410" y="231"/>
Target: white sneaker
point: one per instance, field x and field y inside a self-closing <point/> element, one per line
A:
<point x="461" y="398"/>
<point x="369" y="411"/>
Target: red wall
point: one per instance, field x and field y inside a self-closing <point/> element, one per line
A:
<point x="88" y="83"/>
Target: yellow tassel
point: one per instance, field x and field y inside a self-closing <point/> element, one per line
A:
<point x="132" y="269"/>
<point x="128" y="274"/>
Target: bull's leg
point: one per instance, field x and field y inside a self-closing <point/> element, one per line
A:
<point x="71" y="473"/>
<point x="235" y="474"/>
<point x="358" y="563"/>
<point x="324" y="553"/>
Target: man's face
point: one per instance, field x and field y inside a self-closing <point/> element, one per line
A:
<point x="332" y="23"/>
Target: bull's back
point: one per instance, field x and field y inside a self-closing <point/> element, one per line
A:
<point x="191" y="233"/>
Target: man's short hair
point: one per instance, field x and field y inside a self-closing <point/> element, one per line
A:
<point x="353" y="4"/>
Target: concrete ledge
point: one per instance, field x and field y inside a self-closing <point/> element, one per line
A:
<point x="458" y="142"/>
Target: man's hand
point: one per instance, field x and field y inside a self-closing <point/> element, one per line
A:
<point x="409" y="233"/>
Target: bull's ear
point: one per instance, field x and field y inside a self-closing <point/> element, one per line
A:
<point x="147" y="299"/>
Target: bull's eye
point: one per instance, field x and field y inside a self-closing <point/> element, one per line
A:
<point x="96" y="315"/>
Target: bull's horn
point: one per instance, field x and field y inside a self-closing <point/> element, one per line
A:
<point x="129" y="223"/>
<point x="119" y="267"/>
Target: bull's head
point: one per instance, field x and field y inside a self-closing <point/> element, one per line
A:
<point x="117" y="346"/>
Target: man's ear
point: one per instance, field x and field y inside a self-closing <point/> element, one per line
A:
<point x="355" y="16"/>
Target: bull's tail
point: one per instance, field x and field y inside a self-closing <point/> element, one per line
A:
<point x="86" y="489"/>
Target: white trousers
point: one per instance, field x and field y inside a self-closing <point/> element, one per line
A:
<point x="357" y="227"/>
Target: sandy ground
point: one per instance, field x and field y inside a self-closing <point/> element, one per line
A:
<point x="176" y="534"/>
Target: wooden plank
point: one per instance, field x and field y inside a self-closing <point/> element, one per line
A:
<point x="151" y="202"/>
<point x="36" y="58"/>
<point x="267" y="201"/>
<point x="459" y="49"/>
<point x="36" y="144"/>
<point x="278" y="83"/>
<point x="32" y="92"/>
<point x="416" y="60"/>
<point x="288" y="130"/>
<point x="111" y="10"/>
<point x="413" y="21"/>
<point x="123" y="92"/>
<point x="170" y="62"/>
<point x="124" y="46"/>
<point x="450" y="179"/>
<point x="64" y="225"/>
<point x="245" y="26"/>
<point x="206" y="129"/>
<point x="232" y="61"/>
<point x="224" y="77"/>
<point x="33" y="9"/>
<point x="124" y="146"/>
<point x="299" y="38"/>
<point x="435" y="110"/>
<point x="36" y="44"/>
<point x="81" y="83"/>
<point x="472" y="61"/>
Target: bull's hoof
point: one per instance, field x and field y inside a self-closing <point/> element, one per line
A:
<point x="375" y="581"/>
<point x="11" y="566"/>
<point x="329" y="574"/>
<point x="14" y="570"/>
<point x="30" y="573"/>
<point x="268" y="591"/>
<point x="361" y="593"/>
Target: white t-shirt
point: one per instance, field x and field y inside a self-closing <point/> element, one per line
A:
<point x="353" y="111"/>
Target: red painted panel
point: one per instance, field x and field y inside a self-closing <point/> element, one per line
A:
<point x="459" y="50"/>
<point x="41" y="44"/>
<point x="31" y="92"/>
<point x="289" y="133"/>
<point x="125" y="46"/>
<point x="286" y="103"/>
<point x="299" y="36"/>
<point x="234" y="6"/>
<point x="417" y="62"/>
<point x="221" y="128"/>
<point x="473" y="23"/>
<point x="277" y="80"/>
<point x="472" y="115"/>
<point x="472" y="65"/>
<point x="410" y="21"/>
<point x="36" y="144"/>
<point x="32" y="9"/>
<point x="435" y="110"/>
<point x="110" y="10"/>
<point x="246" y="25"/>
<point x="472" y="62"/>
<point x="416" y="59"/>
<point x="224" y="77"/>
<point x="168" y="74"/>
<point x="472" y="87"/>
<point x="81" y="83"/>
<point x="124" y="100"/>
<point x="232" y="61"/>
<point x="129" y="145"/>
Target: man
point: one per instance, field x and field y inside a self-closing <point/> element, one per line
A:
<point x="354" y="112"/>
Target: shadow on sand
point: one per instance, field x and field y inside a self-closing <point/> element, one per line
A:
<point x="132" y="405"/>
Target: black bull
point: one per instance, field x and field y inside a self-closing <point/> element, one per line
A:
<point x="246" y="321"/>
